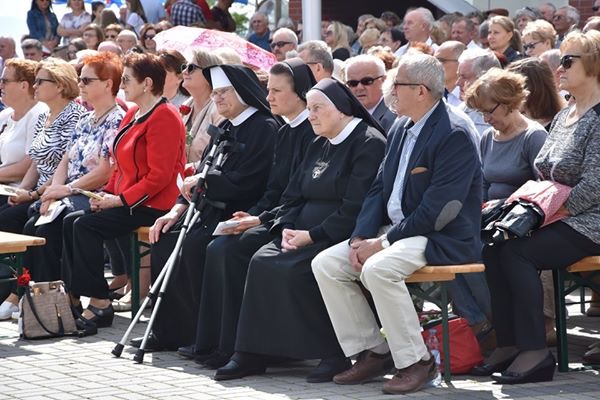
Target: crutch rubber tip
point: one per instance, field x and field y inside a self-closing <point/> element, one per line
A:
<point x="117" y="350"/>
<point x="139" y="356"/>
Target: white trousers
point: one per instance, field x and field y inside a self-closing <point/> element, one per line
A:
<point x="383" y="274"/>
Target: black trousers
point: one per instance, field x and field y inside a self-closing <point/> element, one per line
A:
<point x="225" y="268"/>
<point x="83" y="240"/>
<point x="13" y="218"/>
<point x="512" y="272"/>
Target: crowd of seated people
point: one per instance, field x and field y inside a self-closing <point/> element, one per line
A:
<point x="355" y="161"/>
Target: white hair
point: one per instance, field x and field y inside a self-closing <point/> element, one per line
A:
<point x="364" y="59"/>
<point x="426" y="15"/>
<point x="291" y="35"/>
<point x="482" y="60"/>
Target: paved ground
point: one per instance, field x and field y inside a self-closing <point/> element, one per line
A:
<point x="84" y="368"/>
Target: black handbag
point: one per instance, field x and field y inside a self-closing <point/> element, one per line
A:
<point x="518" y="219"/>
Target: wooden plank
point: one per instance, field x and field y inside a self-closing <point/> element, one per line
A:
<point x="451" y="269"/>
<point x="143" y="234"/>
<point x="430" y="277"/>
<point x="13" y="240"/>
<point x="12" y="249"/>
<point x="586" y="264"/>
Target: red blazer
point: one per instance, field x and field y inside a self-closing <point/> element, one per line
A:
<point x="149" y="154"/>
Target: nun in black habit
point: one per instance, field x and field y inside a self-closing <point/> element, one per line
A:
<point x="227" y="257"/>
<point x="238" y="97"/>
<point x="282" y="311"/>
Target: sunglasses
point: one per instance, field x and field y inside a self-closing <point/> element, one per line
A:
<point x="595" y="8"/>
<point x="281" y="43"/>
<point x="567" y="61"/>
<point x="148" y="37"/>
<point x="39" y="81"/>
<point x="86" y="81"/>
<point x="367" y="81"/>
<point x="189" y="68"/>
<point x="530" y="46"/>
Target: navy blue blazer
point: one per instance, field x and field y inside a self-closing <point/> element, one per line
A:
<point x="442" y="193"/>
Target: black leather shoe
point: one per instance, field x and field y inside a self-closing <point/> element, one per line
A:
<point x="328" y="368"/>
<point x="543" y="372"/>
<point x="187" y="351"/>
<point x="217" y="360"/>
<point x="103" y="317"/>
<point x="240" y="366"/>
<point x="152" y="344"/>
<point x="485" y="369"/>
<point x="77" y="310"/>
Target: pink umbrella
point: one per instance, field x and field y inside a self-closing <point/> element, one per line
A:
<point x="185" y="39"/>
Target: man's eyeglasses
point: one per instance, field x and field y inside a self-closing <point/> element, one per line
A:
<point x="39" y="81"/>
<point x="366" y="81"/>
<point x="189" y="68"/>
<point x="490" y="112"/>
<point x="530" y="46"/>
<point x="567" y="61"/>
<point x="281" y="43"/>
<point x="86" y="81"/>
<point x="396" y="84"/>
<point x="4" y="81"/>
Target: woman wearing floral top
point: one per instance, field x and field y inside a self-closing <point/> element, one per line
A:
<point x="72" y="24"/>
<point x="86" y="165"/>
<point x="56" y="85"/>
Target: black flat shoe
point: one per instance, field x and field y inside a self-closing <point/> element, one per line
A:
<point x="328" y="368"/>
<point x="485" y="369"/>
<point x="216" y="360"/>
<point x="543" y="372"/>
<point x="152" y="344"/>
<point x="77" y="310"/>
<point x="103" y="317"/>
<point x="114" y="295"/>
<point x="240" y="366"/>
<point x="188" y="352"/>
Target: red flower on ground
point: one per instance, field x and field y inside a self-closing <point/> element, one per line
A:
<point x="24" y="278"/>
<point x="185" y="110"/>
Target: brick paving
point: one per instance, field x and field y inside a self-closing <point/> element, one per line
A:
<point x="69" y="368"/>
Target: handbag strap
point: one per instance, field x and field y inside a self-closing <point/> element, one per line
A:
<point x="61" y="330"/>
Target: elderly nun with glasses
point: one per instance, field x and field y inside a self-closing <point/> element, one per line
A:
<point x="239" y="184"/>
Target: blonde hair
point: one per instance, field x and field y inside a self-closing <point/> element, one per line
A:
<point x="540" y="30"/>
<point x="63" y="74"/>
<point x="340" y="36"/>
<point x="204" y="59"/>
<point x="590" y="46"/>
<point x="498" y="86"/>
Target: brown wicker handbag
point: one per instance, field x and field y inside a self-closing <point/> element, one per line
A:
<point x="46" y="311"/>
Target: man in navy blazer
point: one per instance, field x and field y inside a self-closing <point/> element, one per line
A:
<point x="423" y="209"/>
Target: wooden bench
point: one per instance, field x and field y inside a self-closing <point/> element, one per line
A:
<point x="572" y="273"/>
<point x="12" y="247"/>
<point x="440" y="275"/>
<point x="140" y="247"/>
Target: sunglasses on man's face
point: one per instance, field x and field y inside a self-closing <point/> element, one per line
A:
<point x="279" y="44"/>
<point x="367" y="81"/>
<point x="595" y="8"/>
<point x="567" y="61"/>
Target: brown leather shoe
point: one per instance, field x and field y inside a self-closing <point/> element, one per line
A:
<point x="368" y="366"/>
<point x="411" y="379"/>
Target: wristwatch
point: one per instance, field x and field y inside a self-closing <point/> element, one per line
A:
<point x="385" y="243"/>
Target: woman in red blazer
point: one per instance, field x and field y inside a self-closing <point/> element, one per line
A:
<point x="149" y="152"/>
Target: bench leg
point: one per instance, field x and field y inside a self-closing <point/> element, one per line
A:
<point x="19" y="268"/>
<point x="135" y="274"/>
<point x="561" y="320"/>
<point x="445" y="332"/>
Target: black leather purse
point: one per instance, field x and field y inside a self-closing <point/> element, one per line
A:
<point x="515" y="220"/>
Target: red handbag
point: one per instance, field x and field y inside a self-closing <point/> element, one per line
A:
<point x="464" y="347"/>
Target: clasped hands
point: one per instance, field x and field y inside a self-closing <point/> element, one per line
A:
<point x="361" y="249"/>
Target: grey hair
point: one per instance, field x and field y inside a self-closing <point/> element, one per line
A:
<point x="31" y="43"/>
<point x="552" y="57"/>
<point x="426" y="70"/>
<point x="365" y="59"/>
<point x="291" y="35"/>
<point x="484" y="28"/>
<point x="319" y="52"/>
<point x="572" y="13"/>
<point x="530" y="12"/>
<point x="482" y="60"/>
<point x="549" y="5"/>
<point x="426" y="15"/>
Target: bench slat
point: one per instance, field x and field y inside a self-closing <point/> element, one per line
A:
<point x="586" y="264"/>
<point x="143" y="233"/>
<point x="430" y="277"/>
